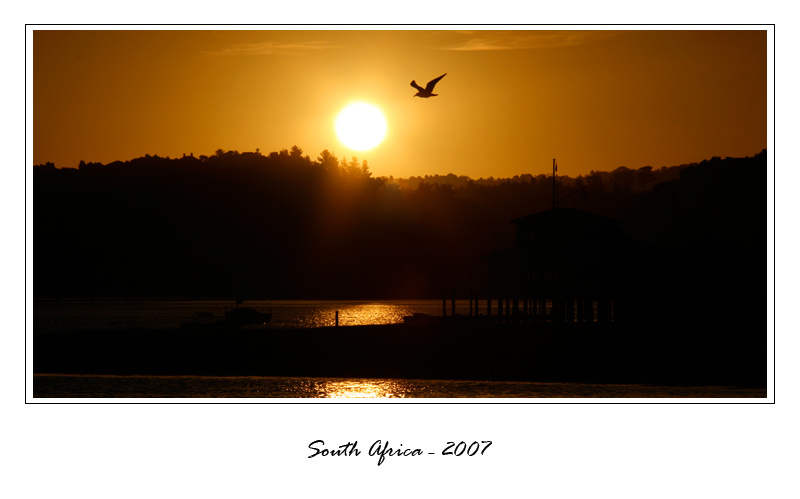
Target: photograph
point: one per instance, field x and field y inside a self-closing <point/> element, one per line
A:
<point x="514" y="213"/>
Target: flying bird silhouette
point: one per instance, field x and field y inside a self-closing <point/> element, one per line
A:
<point x="428" y="90"/>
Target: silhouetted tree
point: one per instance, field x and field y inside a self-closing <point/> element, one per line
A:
<point x="344" y="165"/>
<point x="645" y="176"/>
<point x="624" y="178"/>
<point x="353" y="168"/>
<point x="594" y="181"/>
<point x="328" y="161"/>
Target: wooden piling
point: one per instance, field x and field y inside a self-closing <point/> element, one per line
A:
<point x="570" y="309"/>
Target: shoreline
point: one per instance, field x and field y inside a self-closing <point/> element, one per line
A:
<point x="540" y="352"/>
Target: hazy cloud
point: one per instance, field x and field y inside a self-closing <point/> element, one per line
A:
<point x="522" y="40"/>
<point x="271" y="48"/>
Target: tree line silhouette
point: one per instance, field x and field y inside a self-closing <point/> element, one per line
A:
<point x="622" y="178"/>
<point x="282" y="225"/>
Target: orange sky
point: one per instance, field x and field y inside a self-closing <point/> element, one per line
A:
<point x="511" y="100"/>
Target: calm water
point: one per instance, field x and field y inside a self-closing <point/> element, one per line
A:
<point x="99" y="386"/>
<point x="76" y="315"/>
<point x="56" y="316"/>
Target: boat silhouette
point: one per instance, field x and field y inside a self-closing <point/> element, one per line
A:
<point x="239" y="316"/>
<point x="247" y="316"/>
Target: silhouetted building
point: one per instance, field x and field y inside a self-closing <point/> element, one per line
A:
<point x="566" y="265"/>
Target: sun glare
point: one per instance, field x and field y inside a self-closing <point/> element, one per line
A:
<point x="361" y="126"/>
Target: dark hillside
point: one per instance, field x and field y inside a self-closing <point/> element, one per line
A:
<point x="285" y="226"/>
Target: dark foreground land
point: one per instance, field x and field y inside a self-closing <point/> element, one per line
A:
<point x="733" y="355"/>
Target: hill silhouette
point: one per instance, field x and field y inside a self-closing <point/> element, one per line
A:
<point x="282" y="225"/>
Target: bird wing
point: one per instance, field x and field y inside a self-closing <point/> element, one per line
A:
<point x="432" y="83"/>
<point x="414" y="84"/>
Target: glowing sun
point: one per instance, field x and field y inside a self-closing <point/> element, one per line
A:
<point x="361" y="126"/>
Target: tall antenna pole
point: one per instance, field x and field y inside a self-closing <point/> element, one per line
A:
<point x="555" y="169"/>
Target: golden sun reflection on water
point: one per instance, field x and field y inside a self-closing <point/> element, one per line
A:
<point x="360" y="389"/>
<point x="356" y="314"/>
